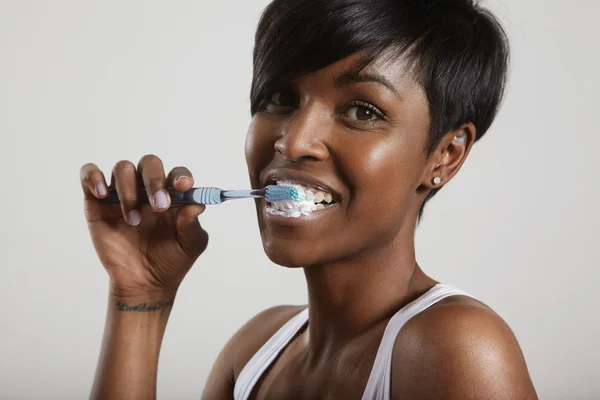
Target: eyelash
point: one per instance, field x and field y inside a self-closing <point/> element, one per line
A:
<point x="268" y="101"/>
<point x="381" y="115"/>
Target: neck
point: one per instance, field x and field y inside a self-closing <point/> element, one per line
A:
<point x="349" y="296"/>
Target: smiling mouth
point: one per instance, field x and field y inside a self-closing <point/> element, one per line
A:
<point x="315" y="200"/>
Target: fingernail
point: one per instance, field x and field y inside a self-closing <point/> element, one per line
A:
<point x="134" y="217"/>
<point x="182" y="178"/>
<point x="160" y="200"/>
<point x="101" y="189"/>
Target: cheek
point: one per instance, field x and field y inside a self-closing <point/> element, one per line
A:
<point x="259" y="148"/>
<point x="385" y="164"/>
<point x="384" y="175"/>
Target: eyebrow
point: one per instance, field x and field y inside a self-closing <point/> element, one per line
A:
<point x="354" y="77"/>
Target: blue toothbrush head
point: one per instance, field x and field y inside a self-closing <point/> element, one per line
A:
<point x="275" y="193"/>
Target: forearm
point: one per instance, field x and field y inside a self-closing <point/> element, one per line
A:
<point x="128" y="363"/>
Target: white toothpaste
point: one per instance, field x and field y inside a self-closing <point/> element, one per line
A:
<point x="294" y="208"/>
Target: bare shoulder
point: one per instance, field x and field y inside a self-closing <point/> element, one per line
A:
<point x="459" y="349"/>
<point x="242" y="346"/>
<point x="255" y="333"/>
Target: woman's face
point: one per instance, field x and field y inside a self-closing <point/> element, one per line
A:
<point x="360" y="136"/>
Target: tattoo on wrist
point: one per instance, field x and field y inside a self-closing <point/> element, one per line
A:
<point x="144" y="307"/>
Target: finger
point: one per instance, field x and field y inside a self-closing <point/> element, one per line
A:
<point x="187" y="215"/>
<point x="125" y="181"/>
<point x="181" y="179"/>
<point x="151" y="169"/>
<point x="93" y="182"/>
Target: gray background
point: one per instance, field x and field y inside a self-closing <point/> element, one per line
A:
<point x="108" y="80"/>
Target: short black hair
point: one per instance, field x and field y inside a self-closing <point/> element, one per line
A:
<point x="458" y="50"/>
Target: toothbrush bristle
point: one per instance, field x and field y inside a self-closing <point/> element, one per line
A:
<point x="282" y="193"/>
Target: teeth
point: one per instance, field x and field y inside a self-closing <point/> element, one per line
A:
<point x="313" y="199"/>
<point x="310" y="195"/>
<point x="305" y="208"/>
<point x="319" y="197"/>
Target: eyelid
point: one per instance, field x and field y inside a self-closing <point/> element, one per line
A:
<point x="277" y="108"/>
<point x="286" y="94"/>
<point x="381" y="114"/>
<point x="268" y="101"/>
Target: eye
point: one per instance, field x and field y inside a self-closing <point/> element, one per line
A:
<point x="363" y="112"/>
<point x="278" y="101"/>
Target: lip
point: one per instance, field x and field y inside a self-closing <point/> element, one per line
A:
<point x="301" y="178"/>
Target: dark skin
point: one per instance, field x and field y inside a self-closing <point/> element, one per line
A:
<point x="363" y="137"/>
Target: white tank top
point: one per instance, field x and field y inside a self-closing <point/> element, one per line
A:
<point x="379" y="383"/>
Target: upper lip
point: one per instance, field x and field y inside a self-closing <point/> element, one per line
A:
<point x="300" y="177"/>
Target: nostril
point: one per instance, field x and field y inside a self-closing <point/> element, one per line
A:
<point x="301" y="146"/>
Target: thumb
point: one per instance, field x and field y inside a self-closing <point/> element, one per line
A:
<point x="192" y="238"/>
<point x="186" y="215"/>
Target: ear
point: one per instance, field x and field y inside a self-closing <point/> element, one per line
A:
<point x="449" y="156"/>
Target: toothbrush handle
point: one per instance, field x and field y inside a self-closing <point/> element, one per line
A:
<point x="201" y="195"/>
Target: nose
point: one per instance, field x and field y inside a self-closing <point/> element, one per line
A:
<point x="303" y="136"/>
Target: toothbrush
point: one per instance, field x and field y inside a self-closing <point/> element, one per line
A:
<point x="211" y="195"/>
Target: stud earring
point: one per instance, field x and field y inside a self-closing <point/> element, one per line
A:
<point x="437" y="180"/>
<point x="461" y="139"/>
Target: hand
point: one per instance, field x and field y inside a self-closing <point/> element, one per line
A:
<point x="144" y="248"/>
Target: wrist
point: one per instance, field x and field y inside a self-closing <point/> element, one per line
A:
<point x="130" y="294"/>
<point x="141" y="304"/>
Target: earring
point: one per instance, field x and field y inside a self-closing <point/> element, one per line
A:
<point x="437" y="180"/>
<point x="461" y="139"/>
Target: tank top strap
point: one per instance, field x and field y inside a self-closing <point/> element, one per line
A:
<point x="259" y="363"/>
<point x="379" y="383"/>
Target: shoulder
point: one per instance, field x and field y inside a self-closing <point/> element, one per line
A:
<point x="255" y="333"/>
<point x="459" y="349"/>
<point x="242" y="346"/>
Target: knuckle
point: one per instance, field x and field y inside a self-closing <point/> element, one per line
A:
<point x="86" y="169"/>
<point x="128" y="200"/>
<point x="182" y="171"/>
<point x="150" y="159"/>
<point x="123" y="166"/>
<point x="155" y="183"/>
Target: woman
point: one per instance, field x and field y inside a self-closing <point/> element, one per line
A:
<point x="372" y="106"/>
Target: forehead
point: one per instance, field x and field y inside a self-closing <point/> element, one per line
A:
<point x="396" y="70"/>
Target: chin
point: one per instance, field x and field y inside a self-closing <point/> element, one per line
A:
<point x="290" y="253"/>
<point x="293" y="252"/>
